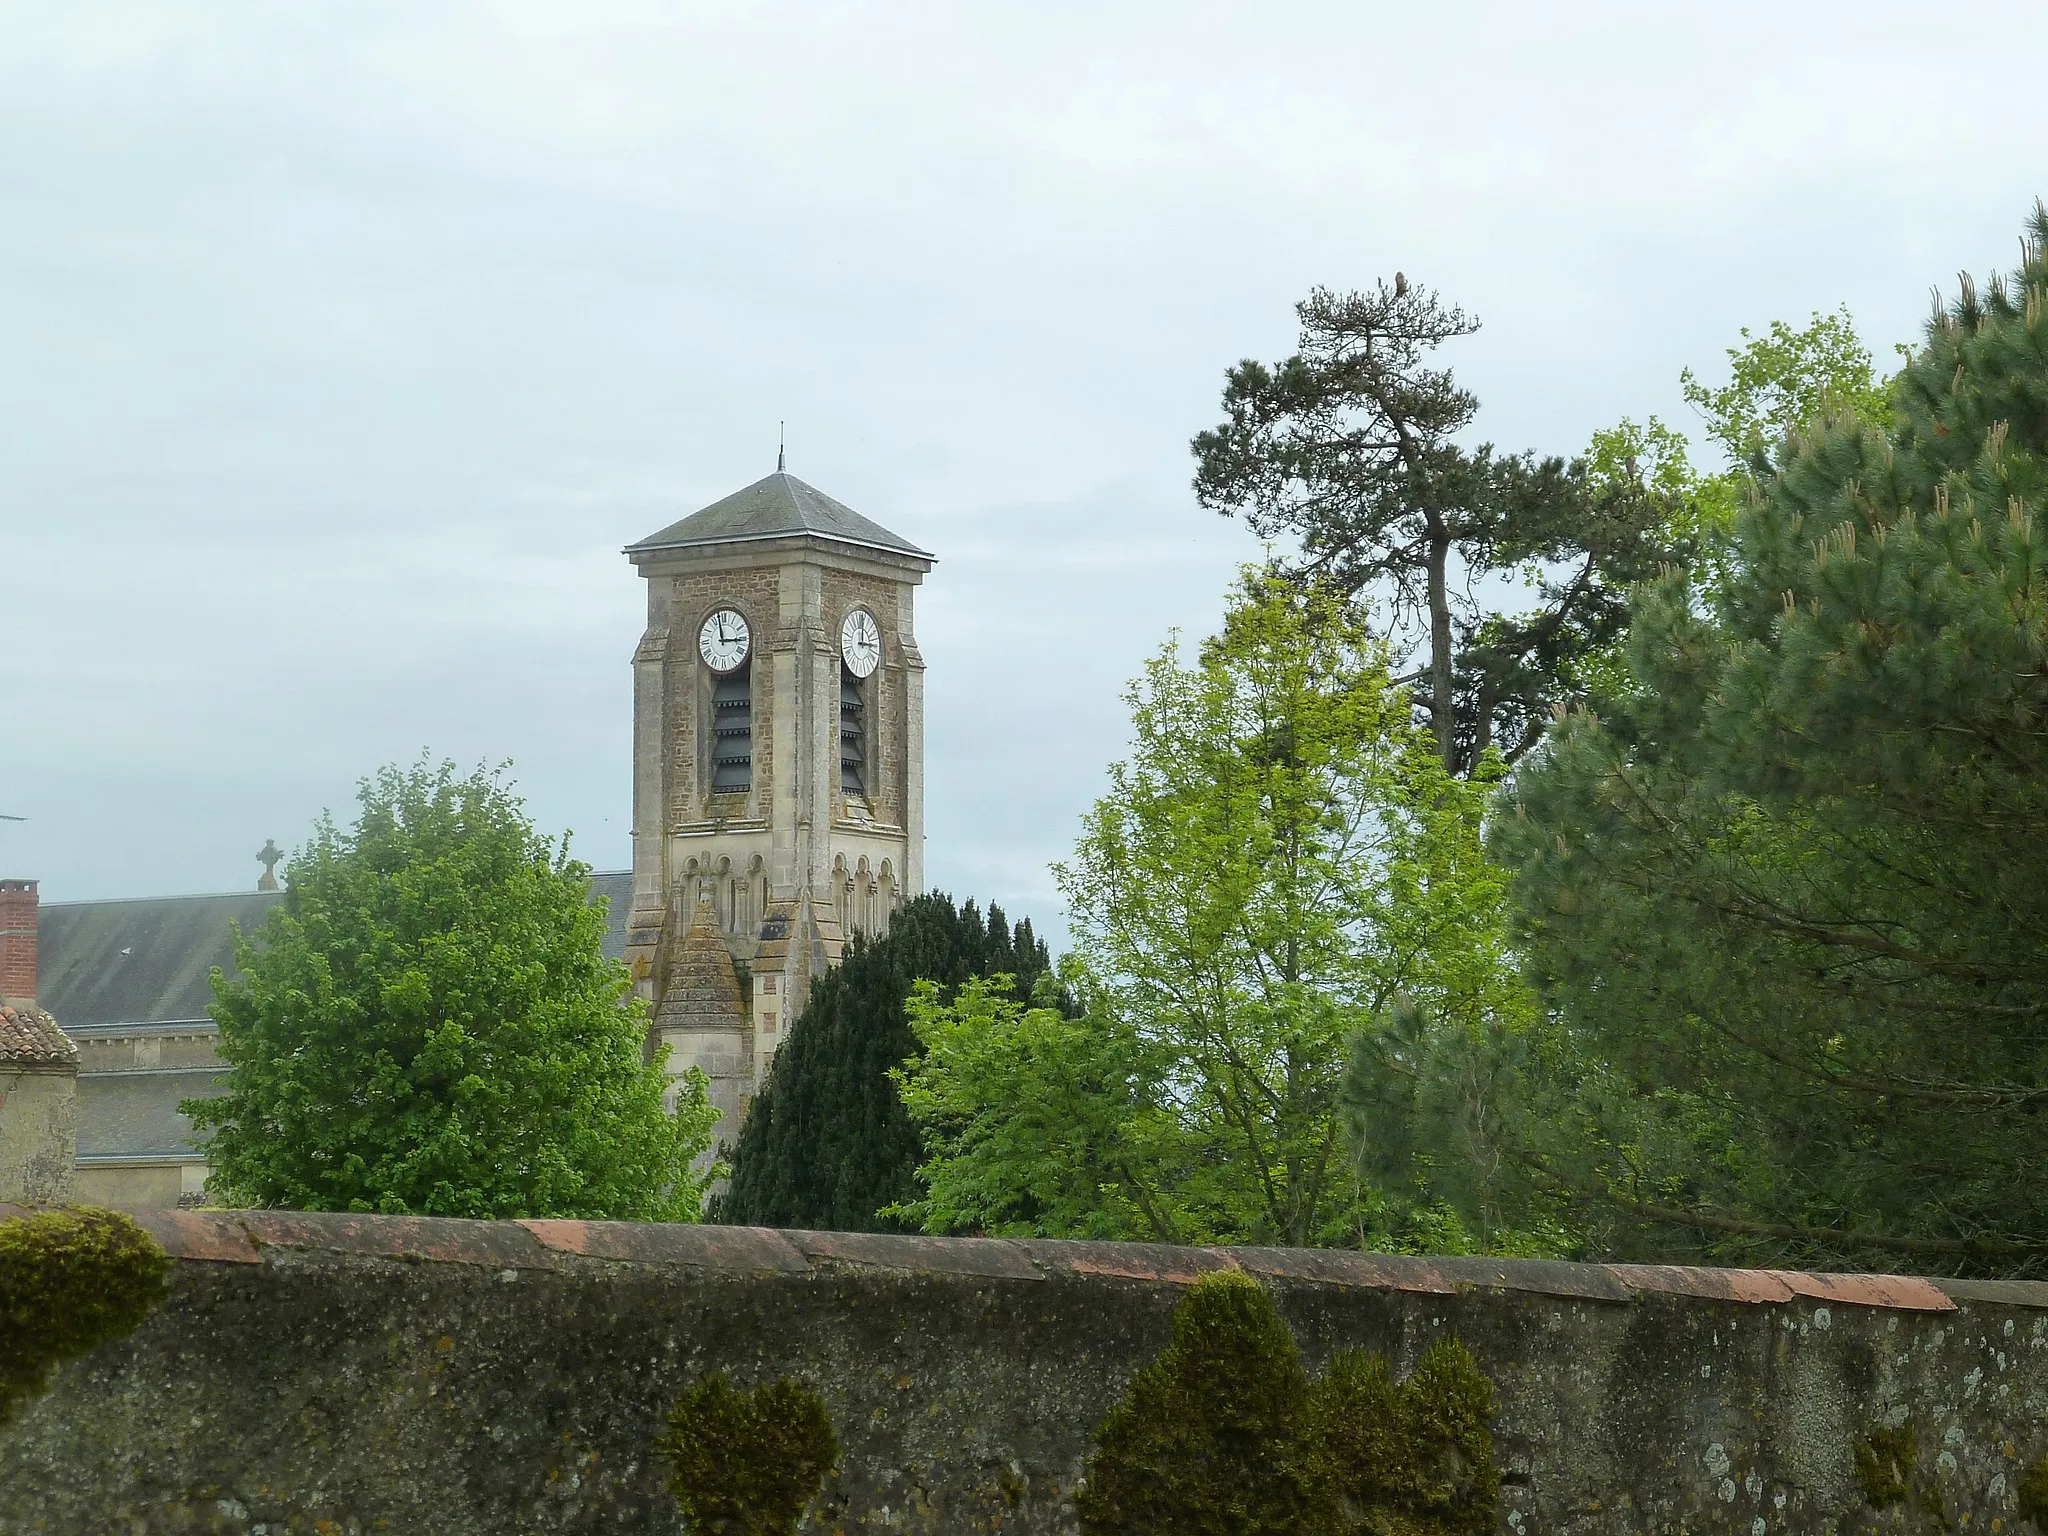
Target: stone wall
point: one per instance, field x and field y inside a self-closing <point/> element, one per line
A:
<point x="38" y="1134"/>
<point x="360" y="1374"/>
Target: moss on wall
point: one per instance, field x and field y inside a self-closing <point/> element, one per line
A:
<point x="1884" y="1465"/>
<point x="70" y="1280"/>
<point x="2033" y="1493"/>
<point x="1416" y="1457"/>
<point x="747" y="1463"/>
<point x="1224" y="1433"/>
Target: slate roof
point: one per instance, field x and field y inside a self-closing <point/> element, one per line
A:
<point x="138" y="962"/>
<point x="776" y="506"/>
<point x="147" y="961"/>
<point x="119" y="964"/>
<point x="30" y="1038"/>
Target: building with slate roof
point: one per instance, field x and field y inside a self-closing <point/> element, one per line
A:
<point x="131" y="981"/>
<point x="778" y="761"/>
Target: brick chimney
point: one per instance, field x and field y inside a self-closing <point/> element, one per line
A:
<point x="17" y="941"/>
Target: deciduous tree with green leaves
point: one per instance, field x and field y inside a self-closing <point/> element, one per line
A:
<point x="1786" y="892"/>
<point x="427" y="1024"/>
<point x="1785" y="378"/>
<point x="1282" y="854"/>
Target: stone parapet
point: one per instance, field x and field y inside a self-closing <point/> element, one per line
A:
<point x="466" y="1377"/>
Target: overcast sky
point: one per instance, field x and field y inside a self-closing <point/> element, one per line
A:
<point x="342" y="347"/>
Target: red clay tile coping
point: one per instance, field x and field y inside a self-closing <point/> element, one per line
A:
<point x="241" y="1237"/>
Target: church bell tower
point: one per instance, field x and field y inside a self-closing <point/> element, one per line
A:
<point x="778" y="766"/>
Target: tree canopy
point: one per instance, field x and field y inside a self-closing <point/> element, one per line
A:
<point x="1784" y="891"/>
<point x="1281" y="855"/>
<point x="1785" y="378"/>
<point x="427" y="1024"/>
<point x="826" y="1144"/>
<point x="1351" y="448"/>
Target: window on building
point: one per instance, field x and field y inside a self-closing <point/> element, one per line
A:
<point x="853" y="738"/>
<point x="732" y="732"/>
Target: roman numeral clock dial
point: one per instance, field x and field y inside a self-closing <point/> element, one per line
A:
<point x="860" y="642"/>
<point x="722" y="642"/>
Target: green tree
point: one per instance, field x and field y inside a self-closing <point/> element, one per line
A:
<point x="1785" y="378"/>
<point x="1350" y="447"/>
<point x="428" y="1024"/>
<point x="1280" y="857"/>
<point x="826" y="1144"/>
<point x="1486" y="1131"/>
<point x="1785" y="895"/>
<point x="1041" y="1123"/>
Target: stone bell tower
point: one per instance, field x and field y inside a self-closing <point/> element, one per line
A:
<point x="778" y="766"/>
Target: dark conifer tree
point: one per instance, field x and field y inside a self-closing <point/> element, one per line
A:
<point x="1786" y="892"/>
<point x="826" y="1144"/>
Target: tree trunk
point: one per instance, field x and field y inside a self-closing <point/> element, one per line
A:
<point x="1442" y="699"/>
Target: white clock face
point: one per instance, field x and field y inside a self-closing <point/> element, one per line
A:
<point x="723" y="640"/>
<point x="860" y="642"/>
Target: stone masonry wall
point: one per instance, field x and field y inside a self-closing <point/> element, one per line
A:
<point x="363" y="1374"/>
<point x="38" y="1134"/>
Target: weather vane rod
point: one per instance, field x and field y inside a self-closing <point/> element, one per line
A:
<point x="781" y="445"/>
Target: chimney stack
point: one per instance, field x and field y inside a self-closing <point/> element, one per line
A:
<point x="17" y="941"/>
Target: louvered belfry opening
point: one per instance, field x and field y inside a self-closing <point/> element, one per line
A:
<point x="732" y="731"/>
<point x="853" y="740"/>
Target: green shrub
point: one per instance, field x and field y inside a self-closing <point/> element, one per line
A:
<point x="1412" y="1458"/>
<point x="1212" y="1438"/>
<point x="747" y="1464"/>
<point x="69" y="1281"/>
<point x="1223" y="1435"/>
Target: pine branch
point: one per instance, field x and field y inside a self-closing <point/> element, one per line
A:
<point x="1972" y="1247"/>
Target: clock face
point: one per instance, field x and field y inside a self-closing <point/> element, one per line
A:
<point x="860" y="642"/>
<point x="723" y="640"/>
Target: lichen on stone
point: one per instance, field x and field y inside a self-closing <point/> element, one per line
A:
<point x="1224" y="1433"/>
<point x="70" y="1280"/>
<point x="1884" y="1464"/>
<point x="747" y="1463"/>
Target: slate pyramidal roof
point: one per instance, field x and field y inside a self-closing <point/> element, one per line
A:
<point x="776" y="506"/>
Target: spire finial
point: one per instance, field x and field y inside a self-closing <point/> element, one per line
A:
<point x="781" y="445"/>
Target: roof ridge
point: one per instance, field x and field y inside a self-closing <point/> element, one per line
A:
<point x="108" y="901"/>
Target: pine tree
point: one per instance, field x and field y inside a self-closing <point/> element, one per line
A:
<point x="1788" y="896"/>
<point x="1355" y="449"/>
<point x="826" y="1144"/>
